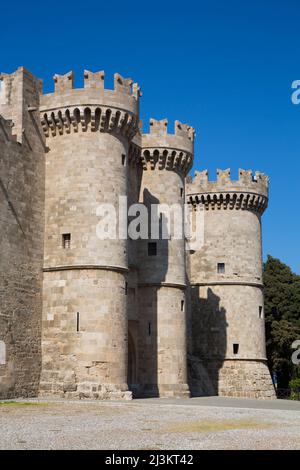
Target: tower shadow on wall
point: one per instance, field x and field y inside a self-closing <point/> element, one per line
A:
<point x="208" y="338"/>
<point x="135" y="181"/>
<point x="154" y="273"/>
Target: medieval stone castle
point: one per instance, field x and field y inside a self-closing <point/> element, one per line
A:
<point x="99" y="318"/>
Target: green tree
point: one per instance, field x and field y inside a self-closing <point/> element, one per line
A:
<point x="282" y="312"/>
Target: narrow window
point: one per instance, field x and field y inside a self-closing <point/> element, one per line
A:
<point x="260" y="311"/>
<point x="126" y="288"/>
<point x="181" y="192"/>
<point x="149" y="329"/>
<point x="221" y="268"/>
<point x="66" y="241"/>
<point x="235" y="348"/>
<point x="182" y="305"/>
<point x="77" y="322"/>
<point x="152" y="249"/>
<point x="123" y="159"/>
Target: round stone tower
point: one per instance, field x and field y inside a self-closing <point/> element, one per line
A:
<point x="162" y="262"/>
<point x="88" y="134"/>
<point x="228" y="355"/>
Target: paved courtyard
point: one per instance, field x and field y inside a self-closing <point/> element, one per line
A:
<point x="198" y="423"/>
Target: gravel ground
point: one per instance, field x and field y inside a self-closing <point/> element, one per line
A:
<point x="149" y="425"/>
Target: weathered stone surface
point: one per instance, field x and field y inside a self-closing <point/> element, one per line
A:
<point x="227" y="326"/>
<point x="21" y="234"/>
<point x="82" y="317"/>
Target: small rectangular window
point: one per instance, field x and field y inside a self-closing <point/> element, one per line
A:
<point x="77" y="321"/>
<point x="235" y="348"/>
<point x="149" y="329"/>
<point x="126" y="288"/>
<point x="181" y="192"/>
<point x="123" y="159"/>
<point x="260" y="311"/>
<point x="221" y="268"/>
<point x="182" y="305"/>
<point x="66" y="241"/>
<point x="152" y="249"/>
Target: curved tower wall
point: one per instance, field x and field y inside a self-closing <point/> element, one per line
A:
<point x="162" y="277"/>
<point x="228" y="329"/>
<point x="114" y="312"/>
<point x="88" y="132"/>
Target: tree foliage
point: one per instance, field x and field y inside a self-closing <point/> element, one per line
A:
<point x="282" y="313"/>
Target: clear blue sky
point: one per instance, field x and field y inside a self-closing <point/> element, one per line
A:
<point x="226" y="67"/>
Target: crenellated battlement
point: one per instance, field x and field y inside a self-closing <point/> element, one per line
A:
<point x="124" y="97"/>
<point x="257" y="182"/>
<point x="89" y="118"/>
<point x="159" y="128"/>
<point x="161" y="149"/>
<point x="250" y="191"/>
<point x="93" y="107"/>
<point x="64" y="83"/>
<point x="165" y="158"/>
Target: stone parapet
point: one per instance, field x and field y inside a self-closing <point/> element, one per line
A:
<point x="161" y="150"/>
<point x="249" y="192"/>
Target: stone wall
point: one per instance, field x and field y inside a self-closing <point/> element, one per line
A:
<point x="21" y="241"/>
<point x="108" y="312"/>
<point x="84" y="334"/>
